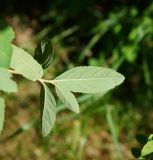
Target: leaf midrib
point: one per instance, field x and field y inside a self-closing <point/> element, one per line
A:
<point x="85" y="79"/>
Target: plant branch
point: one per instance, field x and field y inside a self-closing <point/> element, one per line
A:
<point x="40" y="80"/>
<point x="46" y="81"/>
<point x="13" y="71"/>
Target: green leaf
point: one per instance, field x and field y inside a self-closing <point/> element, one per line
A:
<point x="48" y="110"/>
<point x="6" y="84"/>
<point x="89" y="79"/>
<point x="150" y="138"/>
<point x="6" y="37"/>
<point x="67" y="98"/>
<point x="24" y="64"/>
<point x="147" y="149"/>
<point x="2" y="110"/>
<point x="44" y="53"/>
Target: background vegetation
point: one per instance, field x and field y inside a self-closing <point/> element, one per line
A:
<point x="116" y="34"/>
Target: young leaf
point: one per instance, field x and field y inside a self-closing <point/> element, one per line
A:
<point x="2" y="110"/>
<point x="150" y="138"/>
<point x="44" y="53"/>
<point x="89" y="79"/>
<point x="67" y="98"/>
<point x="23" y="63"/>
<point x="6" y="36"/>
<point x="6" y="84"/>
<point x="147" y="149"/>
<point x="48" y="110"/>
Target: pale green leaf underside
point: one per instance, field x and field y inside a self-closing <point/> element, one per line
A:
<point x="147" y="149"/>
<point x="48" y="110"/>
<point x="2" y="110"/>
<point x="89" y="79"/>
<point x="24" y="64"/>
<point x="6" y="83"/>
<point x="6" y="37"/>
<point x="67" y="98"/>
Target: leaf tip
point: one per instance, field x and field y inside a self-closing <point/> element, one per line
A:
<point x="77" y="110"/>
<point x="44" y="135"/>
<point x="122" y="77"/>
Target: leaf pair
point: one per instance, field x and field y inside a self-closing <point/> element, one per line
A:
<point x="84" y="80"/>
<point x="80" y="79"/>
<point x="48" y="106"/>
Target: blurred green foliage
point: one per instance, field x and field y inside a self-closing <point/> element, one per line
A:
<point x="116" y="34"/>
